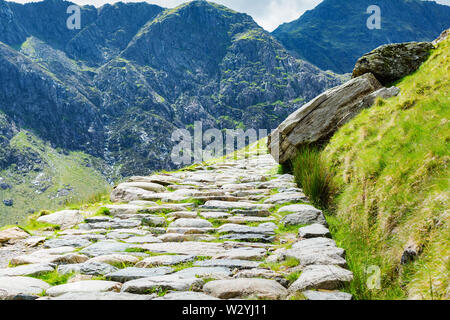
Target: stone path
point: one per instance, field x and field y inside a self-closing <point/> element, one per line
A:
<point x="233" y="230"/>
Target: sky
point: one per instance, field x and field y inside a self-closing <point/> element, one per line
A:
<point x="269" y="14"/>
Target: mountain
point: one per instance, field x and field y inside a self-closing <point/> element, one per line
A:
<point x="116" y="89"/>
<point x="334" y="35"/>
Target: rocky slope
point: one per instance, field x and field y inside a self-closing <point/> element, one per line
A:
<point x="334" y="35"/>
<point x="117" y="88"/>
<point x="230" y="229"/>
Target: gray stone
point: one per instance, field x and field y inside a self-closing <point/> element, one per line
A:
<point x="205" y="272"/>
<point x="169" y="282"/>
<point x="215" y="215"/>
<point x="88" y="286"/>
<point x="43" y="256"/>
<point x="241" y="288"/>
<point x="258" y="273"/>
<point x="105" y="247"/>
<point x="253" y="237"/>
<point x="281" y="198"/>
<point x="12" y="234"/>
<point x="187" y="296"/>
<point x="208" y="249"/>
<point x="314" y="231"/>
<point x="251" y="213"/>
<point x="26" y="270"/>
<point x="98" y="296"/>
<point x="301" y="214"/>
<point x="328" y="295"/>
<point x="236" y="228"/>
<point x="92" y="268"/>
<point x="166" y="260"/>
<point x="191" y="223"/>
<point x="229" y="205"/>
<point x="243" y="254"/>
<point x="116" y="259"/>
<point x="143" y="239"/>
<point x="64" y="219"/>
<point x="132" y="273"/>
<point x="11" y="287"/>
<point x="148" y="186"/>
<point x="392" y="62"/>
<point x="227" y="263"/>
<point x="68" y="241"/>
<point x="325" y="277"/>
<point x="319" y="119"/>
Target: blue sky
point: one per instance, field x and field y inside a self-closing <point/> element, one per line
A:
<point x="267" y="13"/>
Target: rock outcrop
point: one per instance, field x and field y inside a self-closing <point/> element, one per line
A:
<point x="392" y="62"/>
<point x="319" y="119"/>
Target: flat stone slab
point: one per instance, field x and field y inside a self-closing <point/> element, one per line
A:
<point x="325" y="277"/>
<point x="26" y="270"/>
<point x="237" y="228"/>
<point x="323" y="257"/>
<point x="186" y="296"/>
<point x="87" y="286"/>
<point x="215" y="215"/>
<point x="241" y="288"/>
<point x="64" y="219"/>
<point x="91" y="268"/>
<point x="192" y="230"/>
<point x="99" y="296"/>
<point x="105" y="247"/>
<point x="251" y="212"/>
<point x="258" y="273"/>
<point x="286" y="197"/>
<point x="314" y="231"/>
<point x="191" y="223"/>
<point x="183" y="214"/>
<point x="43" y="256"/>
<point x="161" y="179"/>
<point x="116" y="259"/>
<point x="113" y="224"/>
<point x="13" y="234"/>
<point x="169" y="260"/>
<point x="326" y="295"/>
<point x="177" y="237"/>
<point x="169" y="282"/>
<point x="10" y="287"/>
<point x="205" y="272"/>
<point x="208" y="249"/>
<point x="253" y="237"/>
<point x="67" y="241"/>
<point x="227" y="263"/>
<point x="143" y="239"/>
<point x="301" y="214"/>
<point x="229" y="205"/>
<point x="133" y="273"/>
<point x="146" y="185"/>
<point x="243" y="254"/>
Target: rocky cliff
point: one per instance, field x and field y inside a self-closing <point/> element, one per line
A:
<point x="118" y="87"/>
<point x="334" y="35"/>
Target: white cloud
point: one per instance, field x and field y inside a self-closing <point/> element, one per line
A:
<point x="267" y="13"/>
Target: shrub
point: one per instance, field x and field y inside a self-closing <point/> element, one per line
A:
<point x="313" y="176"/>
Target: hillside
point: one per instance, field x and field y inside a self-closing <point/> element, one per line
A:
<point x="390" y="164"/>
<point x="116" y="89"/>
<point x="334" y="35"/>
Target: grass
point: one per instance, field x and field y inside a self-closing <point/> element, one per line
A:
<point x="283" y="265"/>
<point x="53" y="278"/>
<point x="312" y="175"/>
<point x="390" y="165"/>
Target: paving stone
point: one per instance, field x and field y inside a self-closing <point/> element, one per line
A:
<point x="11" y="287"/>
<point x="241" y="288"/>
<point x="215" y="215"/>
<point x="328" y="295"/>
<point x="64" y="219"/>
<point x="143" y="239"/>
<point x="186" y="296"/>
<point x="243" y="254"/>
<point x="116" y="259"/>
<point x="108" y="296"/>
<point x="321" y="277"/>
<point x="229" y="205"/>
<point x="12" y="234"/>
<point x="88" y="286"/>
<point x="191" y="223"/>
<point x="205" y="272"/>
<point x="92" y="268"/>
<point x="301" y="214"/>
<point x="43" y="256"/>
<point x="105" y="247"/>
<point x="169" y="282"/>
<point x="70" y="241"/>
<point x="26" y="270"/>
<point x="165" y="260"/>
<point x="227" y="263"/>
<point x="255" y="237"/>
<point x="132" y="273"/>
<point x="258" y="273"/>
<point x="286" y="197"/>
<point x="314" y="231"/>
<point x="194" y="248"/>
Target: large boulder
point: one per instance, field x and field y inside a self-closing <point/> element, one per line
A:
<point x="392" y="62"/>
<point x="318" y="120"/>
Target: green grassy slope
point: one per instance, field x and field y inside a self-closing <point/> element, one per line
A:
<point x="391" y="167"/>
<point x="58" y="178"/>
